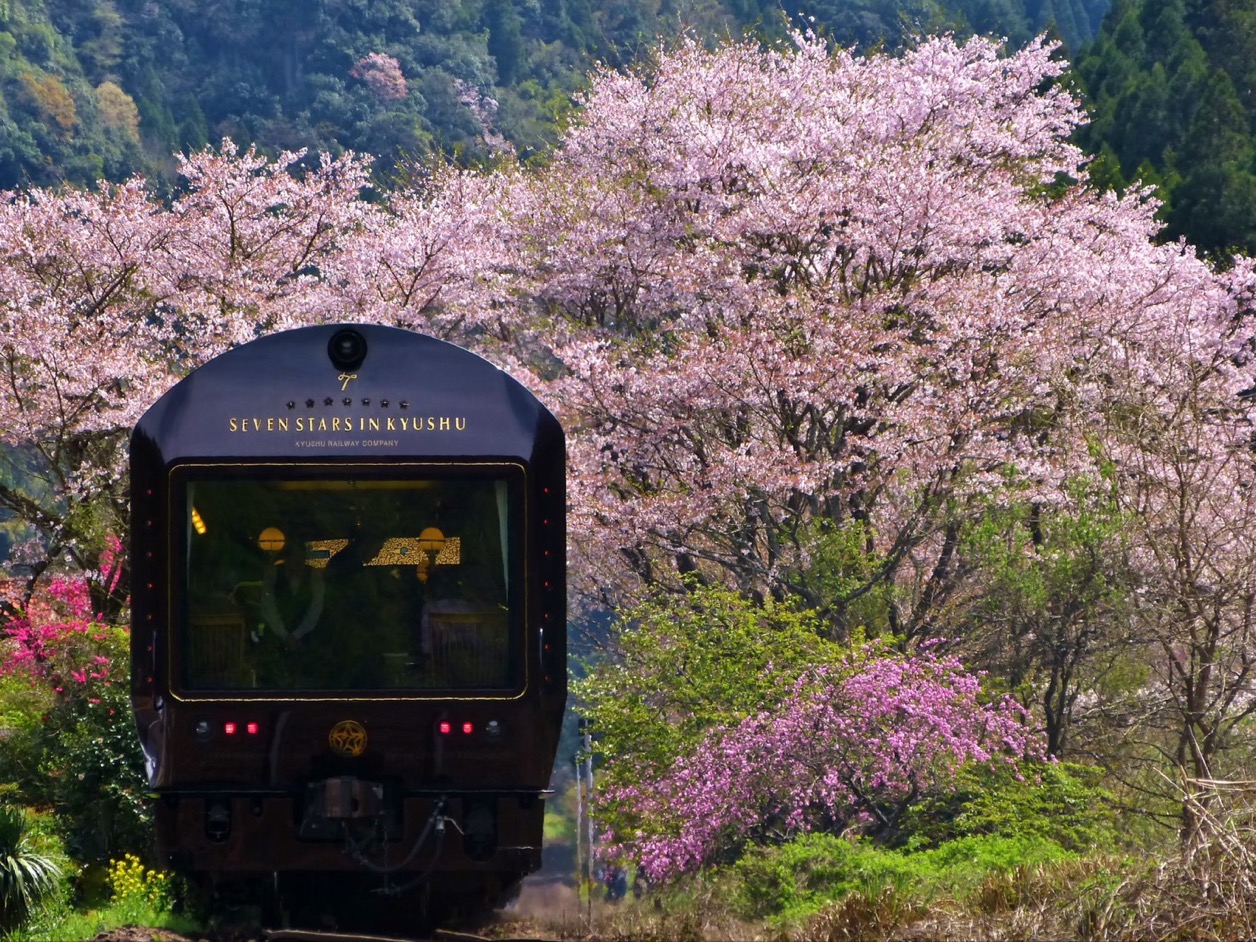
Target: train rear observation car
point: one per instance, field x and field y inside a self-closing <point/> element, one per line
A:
<point x="348" y="639"/>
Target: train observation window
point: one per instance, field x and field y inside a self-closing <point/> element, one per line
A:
<point x="350" y="585"/>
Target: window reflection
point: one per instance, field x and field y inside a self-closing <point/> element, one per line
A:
<point x="348" y="585"/>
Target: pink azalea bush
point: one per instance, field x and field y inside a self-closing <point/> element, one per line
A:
<point x="53" y="639"/>
<point x="849" y="751"/>
<point x="70" y="744"/>
<point x="56" y="639"/>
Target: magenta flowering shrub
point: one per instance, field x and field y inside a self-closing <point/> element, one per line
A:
<point x="56" y="641"/>
<point x="850" y="750"/>
<point x="70" y="743"/>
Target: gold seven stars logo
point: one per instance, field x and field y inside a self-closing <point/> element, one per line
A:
<point x="348" y="738"/>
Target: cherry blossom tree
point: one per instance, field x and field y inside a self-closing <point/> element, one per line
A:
<point x="382" y="74"/>
<point x="79" y="353"/>
<point x="107" y="297"/>
<point x="799" y="301"/>
<point x="427" y="260"/>
<point x="250" y="240"/>
<point x="797" y="292"/>
<point x="1180" y="442"/>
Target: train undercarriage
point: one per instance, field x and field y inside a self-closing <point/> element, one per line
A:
<point x="347" y="852"/>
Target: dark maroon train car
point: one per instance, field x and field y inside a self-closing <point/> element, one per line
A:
<point x="349" y="635"/>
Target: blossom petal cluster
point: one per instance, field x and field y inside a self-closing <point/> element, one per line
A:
<point x="848" y="751"/>
<point x="55" y="640"/>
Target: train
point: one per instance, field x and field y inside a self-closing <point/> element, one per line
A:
<point x="348" y="638"/>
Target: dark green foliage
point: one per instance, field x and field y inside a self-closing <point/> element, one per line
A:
<point x="1214" y="205"/>
<point x="278" y="74"/>
<point x="52" y="128"/>
<point x="1170" y="84"/>
<point x="505" y="38"/>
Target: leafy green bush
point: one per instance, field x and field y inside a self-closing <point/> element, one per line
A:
<point x="799" y="877"/>
<point x="91" y="771"/>
<point x="793" y="881"/>
<point x="681" y="666"/>
<point x="1057" y="802"/>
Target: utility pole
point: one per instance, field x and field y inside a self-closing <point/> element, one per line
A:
<point x="584" y="783"/>
<point x="580" y="877"/>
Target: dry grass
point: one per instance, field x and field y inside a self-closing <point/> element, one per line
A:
<point x="1205" y="892"/>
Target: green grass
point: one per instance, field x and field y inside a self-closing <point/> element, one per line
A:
<point x="58" y="924"/>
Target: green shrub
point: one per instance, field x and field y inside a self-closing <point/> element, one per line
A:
<point x="797" y="878"/>
<point x="1058" y="802"/>
<point x="91" y="771"/>
<point x="793" y="881"/>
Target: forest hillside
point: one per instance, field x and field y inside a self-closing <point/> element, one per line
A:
<point x="108" y="88"/>
<point x="93" y="89"/>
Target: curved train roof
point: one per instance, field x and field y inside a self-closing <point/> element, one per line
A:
<point x="281" y="397"/>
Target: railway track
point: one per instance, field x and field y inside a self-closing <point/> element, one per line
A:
<point x="321" y="935"/>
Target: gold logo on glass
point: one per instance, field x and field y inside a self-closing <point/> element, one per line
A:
<point x="348" y="738"/>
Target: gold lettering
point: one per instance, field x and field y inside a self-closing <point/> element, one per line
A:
<point x="310" y="423"/>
